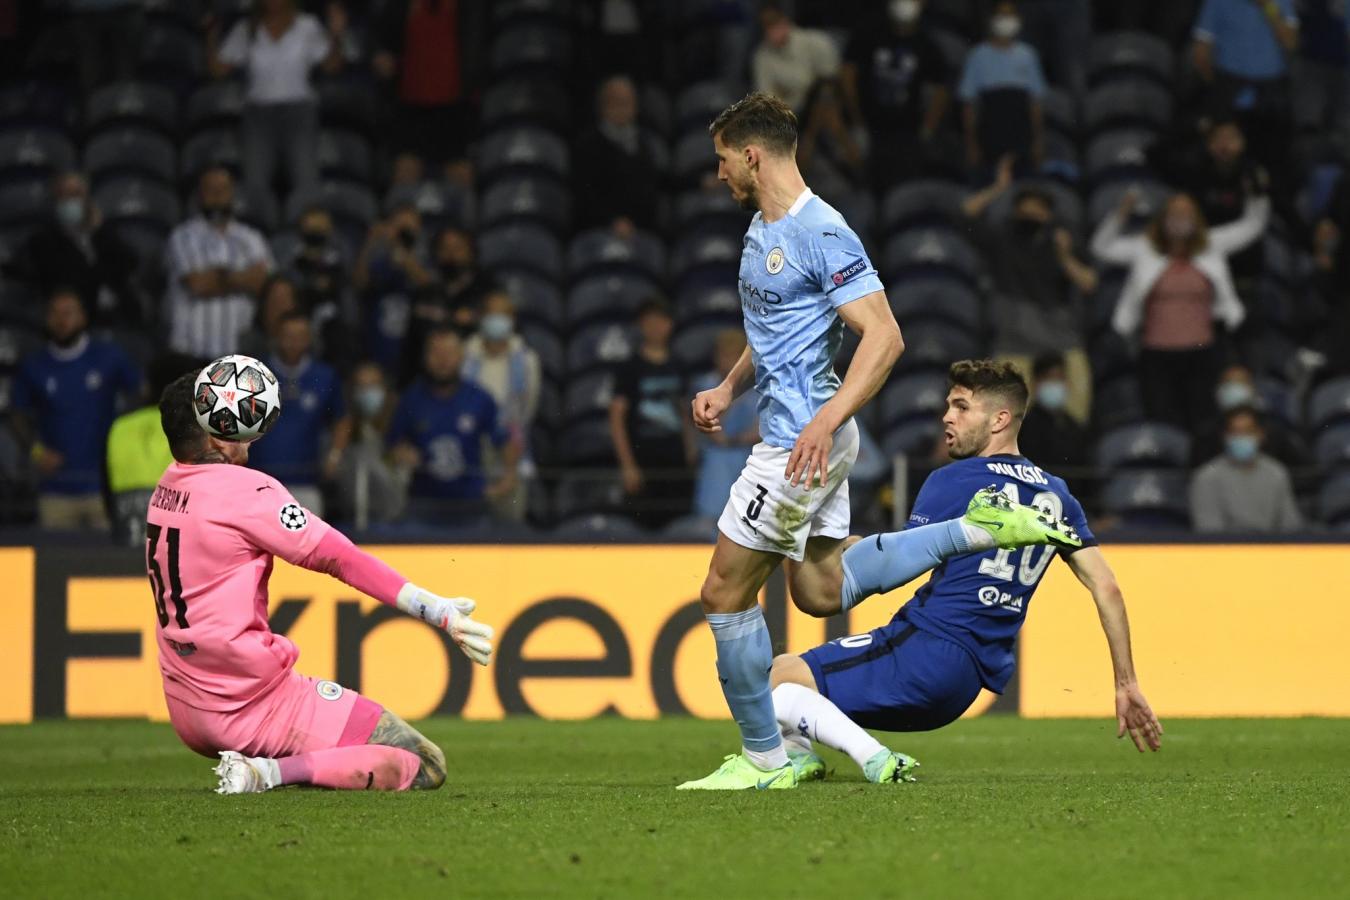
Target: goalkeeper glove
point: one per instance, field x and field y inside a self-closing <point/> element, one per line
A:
<point x="451" y="615"/>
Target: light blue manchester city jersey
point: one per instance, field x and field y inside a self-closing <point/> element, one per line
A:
<point x="795" y="273"/>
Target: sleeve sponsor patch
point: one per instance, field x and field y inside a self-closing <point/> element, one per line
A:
<point x="293" y="517"/>
<point x="856" y="267"/>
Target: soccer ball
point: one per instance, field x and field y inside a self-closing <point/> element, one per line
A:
<point x="237" y="399"/>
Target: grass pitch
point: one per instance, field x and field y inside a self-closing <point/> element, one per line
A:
<point x="1006" y="807"/>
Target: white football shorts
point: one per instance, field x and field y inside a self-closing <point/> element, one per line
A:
<point x="765" y="512"/>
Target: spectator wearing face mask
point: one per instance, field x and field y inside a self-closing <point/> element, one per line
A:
<point x="894" y="81"/>
<point x="1001" y="90"/>
<point x="1050" y="437"/>
<point x="76" y="249"/>
<point x="1236" y="389"/>
<point x="305" y="445"/>
<point x="1178" y="286"/>
<point x="215" y="266"/>
<point x="1243" y="490"/>
<point x="438" y="434"/>
<point x="497" y="360"/>
<point x="320" y="265"/>
<point x="1039" y="281"/>
<point x="370" y="491"/>
<point x="454" y="299"/>
<point x="617" y="184"/>
<point x="64" y="398"/>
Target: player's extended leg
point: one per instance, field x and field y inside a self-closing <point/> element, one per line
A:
<point x="808" y="716"/>
<point x="837" y="575"/>
<point x="730" y="599"/>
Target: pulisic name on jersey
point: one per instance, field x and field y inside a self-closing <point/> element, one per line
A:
<point x="1032" y="474"/>
<point x="170" y="499"/>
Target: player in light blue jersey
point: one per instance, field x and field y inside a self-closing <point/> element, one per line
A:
<point x="804" y="275"/>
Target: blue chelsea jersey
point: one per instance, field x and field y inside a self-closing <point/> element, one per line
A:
<point x="980" y="600"/>
<point x="795" y="274"/>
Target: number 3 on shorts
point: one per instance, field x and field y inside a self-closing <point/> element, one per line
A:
<point x="755" y="506"/>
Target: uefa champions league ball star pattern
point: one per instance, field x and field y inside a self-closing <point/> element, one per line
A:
<point x="237" y="398"/>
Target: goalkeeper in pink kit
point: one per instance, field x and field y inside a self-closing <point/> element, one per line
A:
<point x="212" y="531"/>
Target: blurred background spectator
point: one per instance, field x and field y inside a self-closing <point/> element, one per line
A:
<point x="1050" y="437"/>
<point x="790" y="61"/>
<point x="497" y="360"/>
<point x="1002" y="87"/>
<point x="649" y="423"/>
<point x="721" y="456"/>
<point x="76" y="248"/>
<point x="64" y="398"/>
<point x="617" y="183"/>
<point x="370" y="490"/>
<point x="277" y="46"/>
<point x="393" y="267"/>
<point x="305" y="446"/>
<point x="437" y="434"/>
<point x="215" y="267"/>
<point x="1243" y="489"/>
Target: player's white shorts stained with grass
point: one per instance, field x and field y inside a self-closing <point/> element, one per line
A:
<point x="765" y="512"/>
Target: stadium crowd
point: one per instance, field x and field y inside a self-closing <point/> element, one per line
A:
<point x="484" y="248"/>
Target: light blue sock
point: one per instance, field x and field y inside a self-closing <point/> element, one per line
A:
<point x="883" y="562"/>
<point x="744" y="657"/>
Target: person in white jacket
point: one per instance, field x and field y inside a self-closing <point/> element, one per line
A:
<point x="1178" y="286"/>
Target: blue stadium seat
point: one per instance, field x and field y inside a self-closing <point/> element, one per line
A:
<point x="1148" y="497"/>
<point x="542" y="200"/>
<point x="546" y="341"/>
<point x="936" y="345"/>
<point x="601" y="251"/>
<point x="913" y="438"/>
<point x="537" y="299"/>
<point x="946" y="299"/>
<point x="700" y="209"/>
<point x="349" y="101"/>
<point x="34" y="103"/>
<point x="213" y="105"/>
<point x="1146" y="445"/>
<point x="345" y="155"/>
<point x="720" y="252"/>
<point x="929" y="201"/>
<point x="691" y="529"/>
<point x="171" y="53"/>
<point x="132" y="103"/>
<point x="721" y="302"/>
<point x="1285" y="264"/>
<point x="522" y="149"/>
<point x="1061" y="160"/>
<point x="138" y="201"/>
<point x="598" y="346"/>
<point x="922" y="395"/>
<point x="131" y="151"/>
<point x="521" y="246"/>
<point x="585" y="443"/>
<point x="1333" y="500"/>
<point x="656" y="112"/>
<point x="588" y="493"/>
<point x="531" y="49"/>
<point x="1102" y="303"/>
<point x="506" y="12"/>
<point x="697" y="105"/>
<point x="1120" y="154"/>
<point x="612" y="298"/>
<point x="692" y="348"/>
<point x="1061" y="112"/>
<point x="549" y="415"/>
<point x="1128" y="103"/>
<point x="1332" y="450"/>
<point x="925" y="252"/>
<point x="1127" y="54"/>
<point x="1329" y="403"/>
<point x="588" y="395"/>
<point x="20" y="306"/>
<point x="34" y="153"/>
<point x="24" y="204"/>
<point x="214" y="147"/>
<point x="527" y="102"/>
<point x="1279" y="402"/>
<point x="600" y="529"/>
<point x="1117" y="402"/>
<point x="694" y="159"/>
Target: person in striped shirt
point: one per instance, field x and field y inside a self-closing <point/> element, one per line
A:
<point x="215" y="267"/>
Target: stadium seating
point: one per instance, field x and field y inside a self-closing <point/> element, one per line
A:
<point x="1148" y="497"/>
<point x="1145" y="445"/>
<point x="131" y="151"/>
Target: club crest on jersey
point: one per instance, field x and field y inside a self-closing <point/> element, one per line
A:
<point x="293" y="517"/>
<point x="775" y="261"/>
<point x="329" y="690"/>
<point x="848" y="271"/>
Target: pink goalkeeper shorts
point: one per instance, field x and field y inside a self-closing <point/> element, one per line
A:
<point x="299" y="715"/>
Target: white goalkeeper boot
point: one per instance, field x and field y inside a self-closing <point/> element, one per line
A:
<point x="240" y="774"/>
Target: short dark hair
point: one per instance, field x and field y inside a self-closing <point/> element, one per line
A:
<point x="653" y="305"/>
<point x="997" y="379"/>
<point x="178" y="418"/>
<point x="1032" y="192"/>
<point x="1045" y="363"/>
<point x="1238" y="412"/>
<point x="165" y="369"/>
<point x="758" y="118"/>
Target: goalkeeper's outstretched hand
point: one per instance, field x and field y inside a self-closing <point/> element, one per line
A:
<point x="453" y="616"/>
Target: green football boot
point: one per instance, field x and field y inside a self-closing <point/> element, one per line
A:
<point x="1013" y="525"/>
<point x="739" y="774"/>
<point x="889" y="767"/>
<point x="808" y="765"/>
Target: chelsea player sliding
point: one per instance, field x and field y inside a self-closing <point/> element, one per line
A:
<point x="804" y="275"/>
<point x="924" y="668"/>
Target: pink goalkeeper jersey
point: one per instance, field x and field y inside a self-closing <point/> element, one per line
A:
<point x="211" y="533"/>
